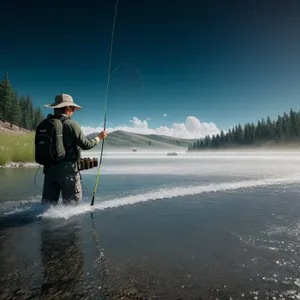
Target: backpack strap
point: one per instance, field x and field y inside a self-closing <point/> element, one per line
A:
<point x="63" y="118"/>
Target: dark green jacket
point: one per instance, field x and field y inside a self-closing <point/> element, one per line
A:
<point x="74" y="141"/>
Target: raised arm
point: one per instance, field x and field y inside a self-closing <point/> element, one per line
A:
<point x="81" y="140"/>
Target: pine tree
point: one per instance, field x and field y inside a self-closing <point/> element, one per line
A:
<point x="240" y="134"/>
<point x="222" y="138"/>
<point x="285" y="129"/>
<point x="21" y="113"/>
<point x="15" y="112"/>
<point x="252" y="133"/>
<point x="297" y="119"/>
<point x="247" y="136"/>
<point x="36" y="118"/>
<point x="30" y="112"/>
<point x="24" y="115"/>
<point x="6" y="97"/>
<point x="293" y="123"/>
<point x="228" y="137"/>
<point x="270" y="129"/>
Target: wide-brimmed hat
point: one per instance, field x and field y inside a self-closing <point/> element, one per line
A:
<point x="63" y="100"/>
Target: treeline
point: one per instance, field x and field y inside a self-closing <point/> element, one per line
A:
<point x="15" y="110"/>
<point x="285" y="129"/>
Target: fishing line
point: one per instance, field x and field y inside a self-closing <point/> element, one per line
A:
<point x="34" y="179"/>
<point x="105" y="102"/>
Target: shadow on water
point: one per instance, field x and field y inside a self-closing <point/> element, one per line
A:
<point x="58" y="274"/>
<point x="62" y="262"/>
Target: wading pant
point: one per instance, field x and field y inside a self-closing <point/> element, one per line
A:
<point x="68" y="183"/>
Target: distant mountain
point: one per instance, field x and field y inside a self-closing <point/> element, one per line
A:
<point x="123" y="139"/>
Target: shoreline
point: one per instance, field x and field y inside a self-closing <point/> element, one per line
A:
<point x="19" y="165"/>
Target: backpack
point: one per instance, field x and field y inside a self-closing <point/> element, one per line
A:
<point x="49" y="144"/>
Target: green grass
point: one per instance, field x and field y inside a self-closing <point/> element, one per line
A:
<point x="16" y="148"/>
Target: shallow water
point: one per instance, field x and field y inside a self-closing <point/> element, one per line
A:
<point x="211" y="225"/>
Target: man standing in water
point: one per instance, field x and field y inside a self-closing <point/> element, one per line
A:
<point x="58" y="142"/>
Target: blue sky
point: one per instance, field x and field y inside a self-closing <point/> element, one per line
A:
<point x="221" y="62"/>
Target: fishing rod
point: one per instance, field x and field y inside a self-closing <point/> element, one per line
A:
<point x="105" y="105"/>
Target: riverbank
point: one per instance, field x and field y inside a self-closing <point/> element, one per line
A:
<point x="17" y="148"/>
<point x="20" y="165"/>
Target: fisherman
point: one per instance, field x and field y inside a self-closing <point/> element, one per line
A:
<point x="58" y="143"/>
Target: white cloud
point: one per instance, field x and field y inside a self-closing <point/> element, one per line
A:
<point x="164" y="115"/>
<point x="191" y="129"/>
<point x="137" y="123"/>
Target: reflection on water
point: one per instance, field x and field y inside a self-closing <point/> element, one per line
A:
<point x="62" y="262"/>
<point x="45" y="262"/>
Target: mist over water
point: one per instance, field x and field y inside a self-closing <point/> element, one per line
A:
<point x="231" y="163"/>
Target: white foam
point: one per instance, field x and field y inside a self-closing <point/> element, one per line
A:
<point x="11" y="207"/>
<point x="29" y="209"/>
<point x="64" y="212"/>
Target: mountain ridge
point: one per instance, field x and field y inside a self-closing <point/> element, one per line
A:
<point x="125" y="139"/>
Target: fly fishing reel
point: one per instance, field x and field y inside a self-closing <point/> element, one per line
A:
<point x="88" y="163"/>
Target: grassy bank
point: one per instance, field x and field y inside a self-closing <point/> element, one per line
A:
<point x="16" y="148"/>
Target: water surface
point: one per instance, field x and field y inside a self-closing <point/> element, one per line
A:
<point x="211" y="225"/>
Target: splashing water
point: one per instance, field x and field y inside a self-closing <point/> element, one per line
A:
<point x="61" y="211"/>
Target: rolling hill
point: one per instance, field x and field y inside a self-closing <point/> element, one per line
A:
<point x="122" y="139"/>
<point x="7" y="128"/>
